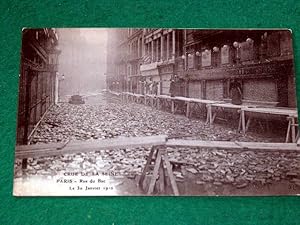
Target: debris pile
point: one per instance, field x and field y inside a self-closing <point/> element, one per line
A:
<point x="112" y="119"/>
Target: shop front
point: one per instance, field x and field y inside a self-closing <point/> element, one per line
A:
<point x="150" y="75"/>
<point x="166" y="73"/>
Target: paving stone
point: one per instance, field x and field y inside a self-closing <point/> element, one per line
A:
<point x="110" y="119"/>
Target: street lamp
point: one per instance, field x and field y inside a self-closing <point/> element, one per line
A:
<point x="235" y="44"/>
<point x="249" y="40"/>
<point x="216" y="49"/>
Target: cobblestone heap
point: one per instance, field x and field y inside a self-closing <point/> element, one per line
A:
<point x="112" y="119"/>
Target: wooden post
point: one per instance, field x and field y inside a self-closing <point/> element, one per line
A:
<point x="208" y="116"/>
<point x="173" y="106"/>
<point x="187" y="109"/>
<point x="240" y="122"/>
<point x="243" y="121"/>
<point x="248" y="124"/>
<point x="287" y="138"/>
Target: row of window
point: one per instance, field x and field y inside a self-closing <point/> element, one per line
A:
<point x="135" y="48"/>
<point x="156" y="52"/>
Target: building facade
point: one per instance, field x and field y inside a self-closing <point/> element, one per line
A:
<point x="261" y="61"/>
<point x="204" y="63"/>
<point x="37" y="82"/>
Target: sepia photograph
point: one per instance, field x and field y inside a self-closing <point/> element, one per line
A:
<point x="156" y="112"/>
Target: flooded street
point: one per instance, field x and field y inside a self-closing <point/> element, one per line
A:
<point x="197" y="171"/>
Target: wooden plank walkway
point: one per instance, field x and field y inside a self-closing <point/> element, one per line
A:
<point x="290" y="114"/>
<point x="53" y="149"/>
<point x="229" y="145"/>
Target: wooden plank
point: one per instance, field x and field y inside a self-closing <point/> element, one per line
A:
<point x="204" y="101"/>
<point x="243" y="121"/>
<point x="227" y="145"/>
<point x="165" y="97"/>
<point x="287" y="138"/>
<point x="273" y="111"/>
<point x="161" y="178"/>
<point x="39" y="150"/>
<point x="146" y="167"/>
<point x="182" y="99"/>
<point x="99" y="142"/>
<point x="171" y="175"/>
<point x="228" y="105"/>
<point x="155" y="173"/>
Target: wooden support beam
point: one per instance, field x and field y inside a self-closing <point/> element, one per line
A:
<point x="170" y="174"/>
<point x="146" y="167"/>
<point x="161" y="178"/>
<point x="155" y="173"/>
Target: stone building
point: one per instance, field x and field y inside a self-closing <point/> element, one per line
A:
<point x="116" y="68"/>
<point x="37" y="82"/>
<point x="204" y="63"/>
<point x="140" y="56"/>
<point x="261" y="61"/>
<point x="163" y="48"/>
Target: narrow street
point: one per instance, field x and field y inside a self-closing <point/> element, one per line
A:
<point x="197" y="171"/>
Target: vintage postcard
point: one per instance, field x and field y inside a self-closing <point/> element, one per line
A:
<point x="128" y="112"/>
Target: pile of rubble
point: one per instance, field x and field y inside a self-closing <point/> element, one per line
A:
<point x="113" y="119"/>
<point x="237" y="168"/>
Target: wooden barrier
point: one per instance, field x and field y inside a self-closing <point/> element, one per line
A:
<point x="71" y="147"/>
<point x="290" y="114"/>
<point x="158" y="153"/>
<point x="236" y="145"/>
